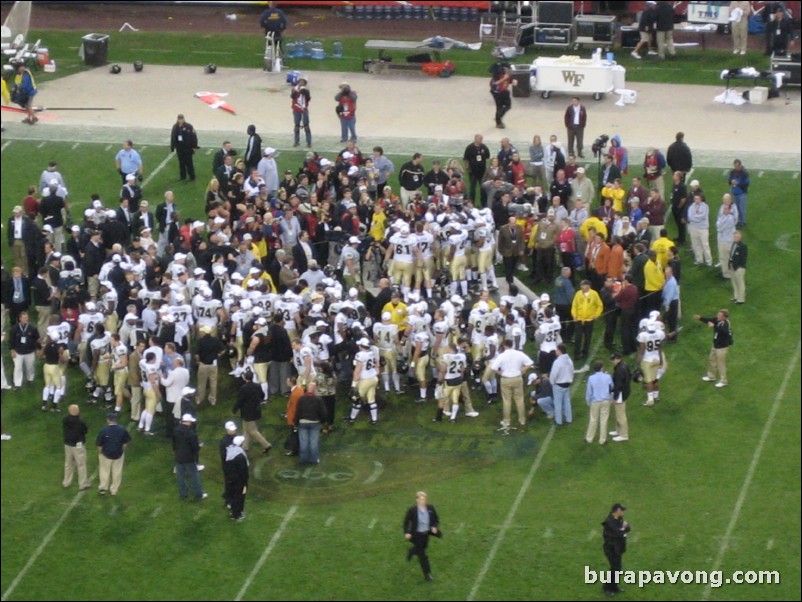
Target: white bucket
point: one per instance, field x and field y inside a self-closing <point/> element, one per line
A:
<point x="277" y="66"/>
<point x="486" y="29"/>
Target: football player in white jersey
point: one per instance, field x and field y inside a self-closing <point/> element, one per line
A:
<point x="107" y="304"/>
<point x="491" y="350"/>
<point x="404" y="253"/>
<point x="303" y="360"/>
<point x="291" y="312"/>
<point x="548" y="335"/>
<point x="119" y="367"/>
<point x="420" y="341"/>
<point x="484" y="248"/>
<point x="365" y="379"/>
<point x="650" y="357"/>
<point x="87" y="323"/>
<point x="424" y="266"/>
<point x="477" y="320"/>
<point x="100" y="346"/>
<point x="458" y="242"/>
<point x="385" y="333"/>
<point x="451" y="376"/>
<point x="149" y="369"/>
<point x="207" y="310"/>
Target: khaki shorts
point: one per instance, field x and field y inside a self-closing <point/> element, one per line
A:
<point x="102" y="374"/>
<point x="424" y="270"/>
<point x="649" y="370"/>
<point x="645" y="36"/>
<point x="401" y="273"/>
<point x="420" y="368"/>
<point x="477" y="351"/>
<point x="367" y="389"/>
<point x="260" y="371"/>
<point x="120" y="381"/>
<point x="52" y="375"/>
<point x="151" y="400"/>
<point x="452" y="393"/>
<point x="485" y="261"/>
<point x="390" y="360"/>
<point x="458" y="268"/>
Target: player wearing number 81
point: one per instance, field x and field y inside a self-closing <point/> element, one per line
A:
<point x="365" y="379"/>
<point x="405" y="253"/>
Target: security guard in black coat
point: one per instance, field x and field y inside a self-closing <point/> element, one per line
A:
<point x="615" y="544"/>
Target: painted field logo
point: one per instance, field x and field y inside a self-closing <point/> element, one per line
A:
<point x="362" y="461"/>
<point x="314" y="476"/>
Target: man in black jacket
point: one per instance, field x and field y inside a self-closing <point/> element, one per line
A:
<point x="225" y="442"/>
<point x="253" y="149"/>
<point x="664" y="24"/>
<point x="679" y="156"/>
<point x="420" y="521"/>
<point x="615" y="544"/>
<point x="622" y="384"/>
<point x="75" y="430"/>
<point x="410" y="178"/>
<point x="476" y="157"/>
<point x="94" y="256"/>
<point x="722" y="339"/>
<point x="249" y="406"/>
<point x="186" y="448"/>
<point x="235" y="472"/>
<point x="737" y="262"/>
<point x="184" y="141"/>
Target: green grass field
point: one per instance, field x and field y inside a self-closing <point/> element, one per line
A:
<point x="521" y="514"/>
<point x="711" y="477"/>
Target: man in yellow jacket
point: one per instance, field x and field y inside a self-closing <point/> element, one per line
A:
<point x="586" y="307"/>
<point x="654" y="279"/>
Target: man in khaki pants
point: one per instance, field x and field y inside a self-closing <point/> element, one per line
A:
<point x="75" y="431"/>
<point x="622" y="385"/>
<point x="511" y="364"/>
<point x="111" y="442"/>
<point x="722" y="339"/>
<point x="597" y="395"/>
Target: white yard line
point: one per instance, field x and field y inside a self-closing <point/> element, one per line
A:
<point x="159" y="167"/>
<point x="521" y="493"/>
<point x="511" y="514"/>
<point x="76" y="145"/>
<point x="47" y="539"/>
<point x="5" y="145"/>
<point x="750" y="473"/>
<point x="41" y="144"/>
<point x="263" y="558"/>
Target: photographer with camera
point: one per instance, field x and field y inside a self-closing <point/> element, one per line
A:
<point x="346" y="111"/>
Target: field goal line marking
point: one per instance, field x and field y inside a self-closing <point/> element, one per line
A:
<point x="267" y="551"/>
<point x="41" y="548"/>
<point x="750" y="473"/>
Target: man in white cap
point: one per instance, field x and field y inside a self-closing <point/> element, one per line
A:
<point x="52" y="208"/>
<point x="235" y="472"/>
<point x="268" y="170"/>
<point x="581" y="189"/>
<point x="186" y="449"/>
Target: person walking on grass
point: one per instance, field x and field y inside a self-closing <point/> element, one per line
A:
<point x="598" y="393"/>
<point x="420" y="522"/>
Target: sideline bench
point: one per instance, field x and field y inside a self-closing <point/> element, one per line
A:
<point x="384" y="45"/>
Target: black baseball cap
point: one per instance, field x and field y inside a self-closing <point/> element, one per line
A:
<point x="617" y="507"/>
<point x="616" y="356"/>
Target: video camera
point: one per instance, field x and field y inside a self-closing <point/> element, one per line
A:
<point x="599" y="144"/>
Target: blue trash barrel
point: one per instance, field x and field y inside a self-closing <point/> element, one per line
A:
<point x="337" y="49"/>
